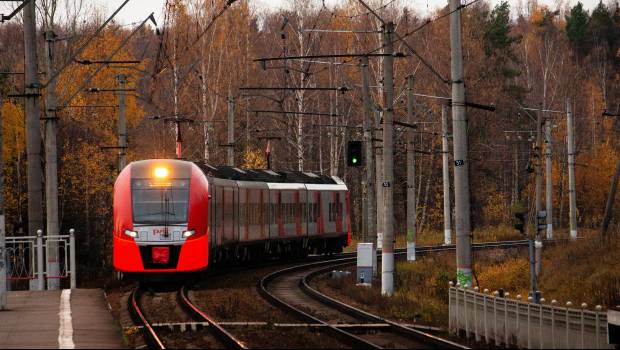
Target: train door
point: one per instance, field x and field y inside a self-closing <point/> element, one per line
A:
<point x="244" y="202"/>
<point x="338" y="210"/>
<point x="288" y="218"/>
<point x="228" y="214"/>
<point x="279" y="213"/>
<point x="274" y="210"/>
<point x="303" y="211"/>
<point x="311" y="212"/>
<point x="320" y="211"/>
<point x="219" y="215"/>
<point x="327" y="199"/>
<point x="299" y="210"/>
<point x="264" y="214"/>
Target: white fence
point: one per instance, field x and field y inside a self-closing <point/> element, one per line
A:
<point x="25" y="257"/>
<point x="514" y="323"/>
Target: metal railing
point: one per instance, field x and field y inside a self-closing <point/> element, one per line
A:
<point x="25" y="257"/>
<point x="512" y="322"/>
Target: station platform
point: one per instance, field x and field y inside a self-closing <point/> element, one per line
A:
<point x="78" y="318"/>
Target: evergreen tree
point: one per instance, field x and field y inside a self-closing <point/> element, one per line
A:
<point x="601" y="27"/>
<point x="496" y="37"/>
<point x="498" y="45"/>
<point x="577" y="29"/>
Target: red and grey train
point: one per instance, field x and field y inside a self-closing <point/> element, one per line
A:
<point x="173" y="216"/>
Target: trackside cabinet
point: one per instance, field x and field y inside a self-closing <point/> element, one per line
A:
<point x="364" y="263"/>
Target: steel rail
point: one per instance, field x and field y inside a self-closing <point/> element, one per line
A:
<point x="350" y="259"/>
<point x="353" y="339"/>
<point x="356" y="340"/>
<point x="135" y="311"/>
<point x="222" y="334"/>
<point x="361" y="314"/>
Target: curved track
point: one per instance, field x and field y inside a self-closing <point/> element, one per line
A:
<point x="290" y="290"/>
<point x="282" y="288"/>
<point x="154" y="339"/>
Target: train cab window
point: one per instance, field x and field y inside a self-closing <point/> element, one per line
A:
<point x="158" y="203"/>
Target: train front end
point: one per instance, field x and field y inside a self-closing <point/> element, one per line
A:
<point x="161" y="218"/>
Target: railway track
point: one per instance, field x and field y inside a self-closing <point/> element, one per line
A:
<point x="290" y="290"/>
<point x="285" y="289"/>
<point x="349" y="325"/>
<point x="152" y="332"/>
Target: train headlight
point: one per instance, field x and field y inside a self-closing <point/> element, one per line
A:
<point x="161" y="172"/>
<point x="189" y="233"/>
<point x="132" y="234"/>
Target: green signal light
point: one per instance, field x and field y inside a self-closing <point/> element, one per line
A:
<point x="354" y="160"/>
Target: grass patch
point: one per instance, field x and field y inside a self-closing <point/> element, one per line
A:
<point x="587" y="271"/>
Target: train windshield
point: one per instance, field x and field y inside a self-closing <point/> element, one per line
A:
<point x="160" y="202"/>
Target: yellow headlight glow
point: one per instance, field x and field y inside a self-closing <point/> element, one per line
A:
<point x="161" y="172"/>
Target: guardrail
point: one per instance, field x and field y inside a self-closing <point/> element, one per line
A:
<point x="25" y="257"/>
<point x="512" y="322"/>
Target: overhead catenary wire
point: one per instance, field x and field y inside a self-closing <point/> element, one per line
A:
<point x="426" y="23"/>
<point x="333" y="14"/>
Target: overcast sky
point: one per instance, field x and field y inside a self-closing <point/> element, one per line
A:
<point x="136" y="10"/>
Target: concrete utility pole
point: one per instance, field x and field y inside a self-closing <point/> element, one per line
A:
<point x="122" y="123"/>
<point x="387" y="252"/>
<point x="548" y="179"/>
<point x="231" y="130"/>
<point x="51" y="164"/>
<point x="445" y="150"/>
<point x="371" y="211"/>
<point x="570" y="127"/>
<point x="461" y="162"/>
<point x="33" y="124"/>
<point x="380" y="202"/>
<point x="411" y="200"/>
<point x="539" y="178"/>
<point x="3" y="259"/>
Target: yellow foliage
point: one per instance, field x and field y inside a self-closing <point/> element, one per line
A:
<point x="13" y="130"/>
<point x="539" y="14"/>
<point x="496" y="208"/>
<point x="592" y="182"/>
<point x="254" y="159"/>
<point x="511" y="275"/>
